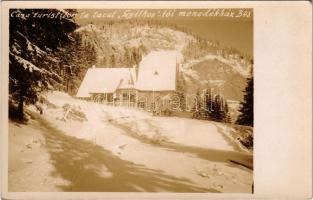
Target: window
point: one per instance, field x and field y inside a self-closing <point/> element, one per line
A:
<point x="141" y="104"/>
<point x="125" y="96"/>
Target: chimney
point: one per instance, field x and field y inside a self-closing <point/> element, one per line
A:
<point x="135" y="67"/>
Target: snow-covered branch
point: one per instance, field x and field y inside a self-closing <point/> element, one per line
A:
<point x="26" y="64"/>
<point x="31" y="47"/>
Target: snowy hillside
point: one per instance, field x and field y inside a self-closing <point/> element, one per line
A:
<point x="152" y="38"/>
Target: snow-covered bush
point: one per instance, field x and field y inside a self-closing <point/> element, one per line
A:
<point x="247" y="141"/>
<point x="72" y="112"/>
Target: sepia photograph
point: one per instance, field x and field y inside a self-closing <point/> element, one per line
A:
<point x="131" y="100"/>
<point x="156" y="100"/>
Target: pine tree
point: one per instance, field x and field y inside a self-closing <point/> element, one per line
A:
<point x="180" y="91"/>
<point x="202" y="109"/>
<point x="79" y="57"/>
<point x="222" y="109"/>
<point x="227" y="117"/>
<point x="208" y="103"/>
<point x="32" y="66"/>
<point x="113" y="60"/>
<point x="246" y="110"/>
<point x="216" y="112"/>
<point x="196" y="106"/>
<point x="216" y="108"/>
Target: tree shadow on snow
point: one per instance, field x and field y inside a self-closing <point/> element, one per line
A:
<point x="89" y="167"/>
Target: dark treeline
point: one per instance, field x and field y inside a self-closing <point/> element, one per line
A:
<point x="210" y="106"/>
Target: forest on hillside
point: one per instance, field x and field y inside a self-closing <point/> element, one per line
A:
<point x="110" y="40"/>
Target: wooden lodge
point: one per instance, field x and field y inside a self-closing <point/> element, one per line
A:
<point x="148" y="86"/>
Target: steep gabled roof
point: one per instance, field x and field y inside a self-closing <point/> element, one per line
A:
<point x="106" y="80"/>
<point x="157" y="71"/>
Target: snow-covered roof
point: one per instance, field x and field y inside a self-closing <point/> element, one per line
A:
<point x="157" y="71"/>
<point x="106" y="80"/>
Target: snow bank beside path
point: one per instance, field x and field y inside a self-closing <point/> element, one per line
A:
<point x="189" y="132"/>
<point x="193" y="132"/>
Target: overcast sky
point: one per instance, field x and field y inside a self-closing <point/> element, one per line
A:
<point x="237" y="34"/>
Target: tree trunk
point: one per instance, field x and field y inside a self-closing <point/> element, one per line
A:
<point x="20" y="108"/>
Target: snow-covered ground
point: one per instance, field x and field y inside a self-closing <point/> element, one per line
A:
<point x="235" y="65"/>
<point x="28" y="158"/>
<point x="176" y="154"/>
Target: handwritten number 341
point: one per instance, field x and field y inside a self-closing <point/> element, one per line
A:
<point x="243" y="13"/>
